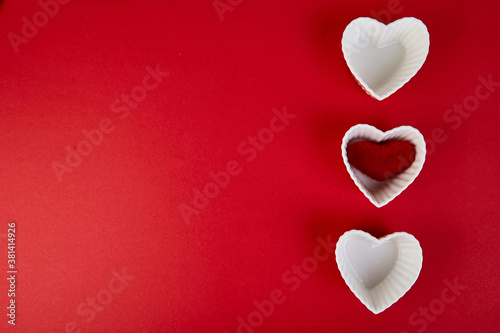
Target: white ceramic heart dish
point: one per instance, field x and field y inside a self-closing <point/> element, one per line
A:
<point x="381" y="193"/>
<point x="378" y="271"/>
<point x="382" y="57"/>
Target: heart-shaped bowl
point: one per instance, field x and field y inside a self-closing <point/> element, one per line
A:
<point x="378" y="271"/>
<point x="382" y="57"/>
<point x="382" y="192"/>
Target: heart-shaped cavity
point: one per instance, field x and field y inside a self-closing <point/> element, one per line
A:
<point x="381" y="160"/>
<point x="381" y="192"/>
<point x="382" y="57"/>
<point x="378" y="271"/>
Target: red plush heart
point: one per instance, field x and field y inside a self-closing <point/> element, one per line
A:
<point x="382" y="160"/>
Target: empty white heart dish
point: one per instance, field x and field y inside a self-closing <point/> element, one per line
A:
<point x="382" y="57"/>
<point x="382" y="192"/>
<point x="378" y="271"/>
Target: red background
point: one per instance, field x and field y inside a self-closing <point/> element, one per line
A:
<point x="120" y="207"/>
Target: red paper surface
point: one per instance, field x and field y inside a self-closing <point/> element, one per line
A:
<point x="118" y="212"/>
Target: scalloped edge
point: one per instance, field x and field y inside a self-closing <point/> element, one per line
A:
<point x="396" y="284"/>
<point x="381" y="193"/>
<point x="409" y="31"/>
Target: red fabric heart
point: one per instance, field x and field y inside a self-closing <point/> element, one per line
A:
<point x="383" y="160"/>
